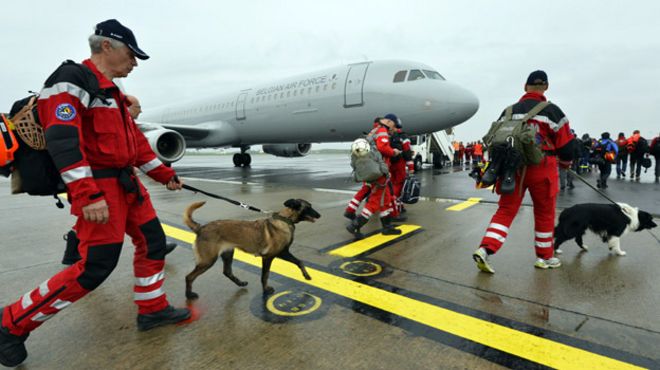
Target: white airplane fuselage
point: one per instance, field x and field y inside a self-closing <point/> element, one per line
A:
<point x="331" y="105"/>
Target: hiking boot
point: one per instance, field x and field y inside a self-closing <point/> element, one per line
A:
<point x="598" y="184"/>
<point x="399" y="218"/>
<point x="480" y="256"/>
<point x="71" y="254"/>
<point x="349" y="215"/>
<point x="166" y="316"/>
<point x="12" y="347"/>
<point x="571" y="186"/>
<point x="355" y="225"/>
<point x="550" y="263"/>
<point x="388" y="229"/>
<point x="169" y="247"/>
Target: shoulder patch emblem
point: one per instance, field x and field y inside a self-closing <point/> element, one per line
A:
<point x="65" y="112"/>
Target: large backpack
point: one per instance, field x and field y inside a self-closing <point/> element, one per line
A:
<point x="642" y="147"/>
<point x="411" y="189"/>
<point x="33" y="170"/>
<point x="370" y="166"/>
<point x="516" y="133"/>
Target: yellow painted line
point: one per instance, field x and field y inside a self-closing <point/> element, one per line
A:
<point x="533" y="348"/>
<point x="467" y="204"/>
<point x="360" y="246"/>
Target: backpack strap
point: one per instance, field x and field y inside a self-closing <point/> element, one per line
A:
<point x="536" y="110"/>
<point x="508" y="113"/>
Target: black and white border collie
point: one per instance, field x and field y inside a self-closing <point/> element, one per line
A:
<point x="609" y="221"/>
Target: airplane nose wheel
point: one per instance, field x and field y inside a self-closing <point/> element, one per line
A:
<point x="242" y="160"/>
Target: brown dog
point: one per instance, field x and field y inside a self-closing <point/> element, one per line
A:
<point x="269" y="238"/>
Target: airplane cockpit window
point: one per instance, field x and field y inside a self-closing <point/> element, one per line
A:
<point x="400" y="76"/>
<point x="415" y="74"/>
<point x="433" y="75"/>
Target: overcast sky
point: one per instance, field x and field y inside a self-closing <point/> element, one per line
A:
<point x="602" y="57"/>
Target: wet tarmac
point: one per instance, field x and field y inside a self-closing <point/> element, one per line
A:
<point x="416" y="301"/>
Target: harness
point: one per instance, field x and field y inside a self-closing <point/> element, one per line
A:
<point x="126" y="179"/>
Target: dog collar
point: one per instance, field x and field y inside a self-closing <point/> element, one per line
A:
<point x="288" y="221"/>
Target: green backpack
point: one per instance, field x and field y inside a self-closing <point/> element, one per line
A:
<point x="518" y="134"/>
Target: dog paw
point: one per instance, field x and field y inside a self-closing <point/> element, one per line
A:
<point x="621" y="253"/>
<point x="268" y="290"/>
<point x="192" y="295"/>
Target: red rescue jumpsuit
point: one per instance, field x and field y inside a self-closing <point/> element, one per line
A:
<point x="93" y="141"/>
<point x="380" y="197"/>
<point x="541" y="180"/>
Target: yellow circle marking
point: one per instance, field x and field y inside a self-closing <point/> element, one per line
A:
<point x="378" y="270"/>
<point x="270" y="304"/>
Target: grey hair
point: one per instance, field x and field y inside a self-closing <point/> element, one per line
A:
<point x="95" y="42"/>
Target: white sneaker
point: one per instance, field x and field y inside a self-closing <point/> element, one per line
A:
<point x="480" y="256"/>
<point x="551" y="263"/>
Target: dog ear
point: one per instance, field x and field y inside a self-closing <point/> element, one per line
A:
<point x="293" y="204"/>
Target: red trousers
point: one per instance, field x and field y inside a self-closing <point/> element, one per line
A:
<point x="542" y="181"/>
<point x="354" y="203"/>
<point x="100" y="247"/>
<point x="380" y="199"/>
<point x="398" y="176"/>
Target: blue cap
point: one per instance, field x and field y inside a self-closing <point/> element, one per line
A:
<point x="115" y="30"/>
<point x="394" y="118"/>
<point x="537" y="78"/>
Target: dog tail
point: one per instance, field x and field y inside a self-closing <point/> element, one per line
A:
<point x="187" y="217"/>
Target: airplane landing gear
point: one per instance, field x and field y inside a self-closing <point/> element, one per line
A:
<point x="242" y="159"/>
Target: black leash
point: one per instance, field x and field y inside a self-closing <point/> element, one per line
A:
<point x="604" y="196"/>
<point x="234" y="202"/>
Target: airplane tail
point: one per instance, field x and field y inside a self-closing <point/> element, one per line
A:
<point x="187" y="217"/>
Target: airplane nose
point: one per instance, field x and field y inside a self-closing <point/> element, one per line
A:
<point x="465" y="103"/>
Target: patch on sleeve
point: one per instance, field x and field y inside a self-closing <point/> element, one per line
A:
<point x="65" y="112"/>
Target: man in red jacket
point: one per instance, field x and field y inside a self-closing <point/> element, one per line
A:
<point x="541" y="179"/>
<point x="95" y="144"/>
<point x="380" y="196"/>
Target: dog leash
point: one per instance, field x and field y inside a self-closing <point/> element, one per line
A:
<point x="234" y="202"/>
<point x="569" y="170"/>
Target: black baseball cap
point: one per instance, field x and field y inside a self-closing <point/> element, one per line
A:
<point x="115" y="30"/>
<point x="537" y="78"/>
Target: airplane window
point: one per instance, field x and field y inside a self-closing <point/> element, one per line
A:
<point x="400" y="76"/>
<point x="433" y="75"/>
<point x="415" y="74"/>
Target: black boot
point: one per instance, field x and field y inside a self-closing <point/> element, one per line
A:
<point x="169" y="315"/>
<point x="388" y="229"/>
<point x="71" y="254"/>
<point x="349" y="215"/>
<point x="12" y="347"/>
<point x="169" y="247"/>
<point x="355" y="225"/>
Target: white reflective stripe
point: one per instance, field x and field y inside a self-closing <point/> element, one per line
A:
<point x="60" y="304"/>
<point x="544" y="235"/>
<point x="66" y="87"/>
<point x="149" y="295"/>
<point x="152" y="164"/>
<point x="499" y="227"/>
<point x="366" y="212"/>
<point x="43" y="288"/>
<point x="352" y="206"/>
<point x="495" y="236"/>
<point x="386" y="212"/>
<point x="381" y="134"/>
<point x="76" y="174"/>
<point x="41" y="317"/>
<point x="26" y="301"/>
<point x="98" y="103"/>
<point x="146" y="281"/>
<point x="553" y="125"/>
<point x="543" y="244"/>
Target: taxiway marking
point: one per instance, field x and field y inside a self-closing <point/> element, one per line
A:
<point x="361" y="246"/>
<point x="467" y="204"/>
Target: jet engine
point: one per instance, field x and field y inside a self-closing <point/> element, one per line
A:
<point x="287" y="150"/>
<point x="168" y="145"/>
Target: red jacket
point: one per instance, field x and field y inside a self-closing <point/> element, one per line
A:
<point x="83" y="132"/>
<point x="382" y="139"/>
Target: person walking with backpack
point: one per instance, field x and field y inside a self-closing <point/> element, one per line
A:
<point x="95" y="145"/>
<point x="637" y="146"/>
<point x="380" y="196"/>
<point x="655" y="152"/>
<point x="622" y="157"/>
<point x="605" y="153"/>
<point x="540" y="179"/>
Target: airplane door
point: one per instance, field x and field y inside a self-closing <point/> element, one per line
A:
<point x="354" y="85"/>
<point x="240" y="106"/>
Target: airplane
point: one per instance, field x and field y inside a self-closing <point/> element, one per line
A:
<point x="332" y="105"/>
